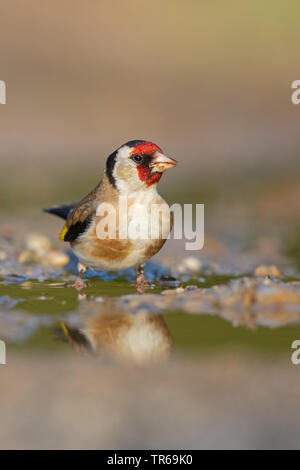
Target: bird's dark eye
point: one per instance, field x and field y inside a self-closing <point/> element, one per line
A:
<point x="137" y="158"/>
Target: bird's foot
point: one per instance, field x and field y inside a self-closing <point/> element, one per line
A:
<point x="79" y="284"/>
<point x="142" y="284"/>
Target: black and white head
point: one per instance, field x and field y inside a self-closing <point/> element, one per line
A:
<point x="137" y="165"/>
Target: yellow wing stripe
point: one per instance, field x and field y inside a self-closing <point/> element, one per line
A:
<point x="63" y="233"/>
<point x="65" y="329"/>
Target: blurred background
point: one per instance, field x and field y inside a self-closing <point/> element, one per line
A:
<point x="210" y="82"/>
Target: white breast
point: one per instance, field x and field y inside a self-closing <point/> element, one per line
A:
<point x="147" y="219"/>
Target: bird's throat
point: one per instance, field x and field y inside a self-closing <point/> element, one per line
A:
<point x="145" y="175"/>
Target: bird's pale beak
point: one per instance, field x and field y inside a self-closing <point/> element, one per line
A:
<point x="160" y="162"/>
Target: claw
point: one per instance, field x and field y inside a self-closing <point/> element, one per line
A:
<point x="142" y="284"/>
<point x="79" y="284"/>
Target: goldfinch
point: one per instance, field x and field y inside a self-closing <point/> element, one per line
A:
<point x="131" y="175"/>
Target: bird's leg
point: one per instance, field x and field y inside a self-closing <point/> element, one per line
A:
<point x="141" y="282"/>
<point x="79" y="283"/>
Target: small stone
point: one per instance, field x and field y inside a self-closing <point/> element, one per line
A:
<point x="27" y="285"/>
<point x="38" y="243"/>
<point x="169" y="292"/>
<point x="57" y="284"/>
<point x="189" y="264"/>
<point x="192" y="263"/>
<point x="56" y="258"/>
<point x="180" y="268"/>
<point x="3" y="255"/>
<point x="28" y="257"/>
<point x="264" y="271"/>
<point x="169" y="281"/>
<point x="178" y="290"/>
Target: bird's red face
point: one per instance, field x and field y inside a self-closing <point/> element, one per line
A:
<point x="150" y="162"/>
<point x="139" y="164"/>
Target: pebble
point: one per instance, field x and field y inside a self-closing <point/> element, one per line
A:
<point x="28" y="257"/>
<point x="168" y="281"/>
<point x="190" y="264"/>
<point x="264" y="271"/>
<point x="38" y="243"/>
<point x="56" y="258"/>
<point x="3" y="255"/>
<point x="178" y="290"/>
<point x="27" y="285"/>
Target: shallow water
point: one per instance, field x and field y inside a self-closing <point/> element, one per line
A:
<point x="48" y="316"/>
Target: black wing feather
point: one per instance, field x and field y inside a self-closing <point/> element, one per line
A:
<point x="62" y="211"/>
<point x="77" y="229"/>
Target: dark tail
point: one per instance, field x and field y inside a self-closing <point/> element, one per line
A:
<point x="61" y="211"/>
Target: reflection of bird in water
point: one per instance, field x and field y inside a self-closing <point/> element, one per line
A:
<point x="135" y="338"/>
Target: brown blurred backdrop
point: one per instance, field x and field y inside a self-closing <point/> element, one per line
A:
<point x="210" y="82"/>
